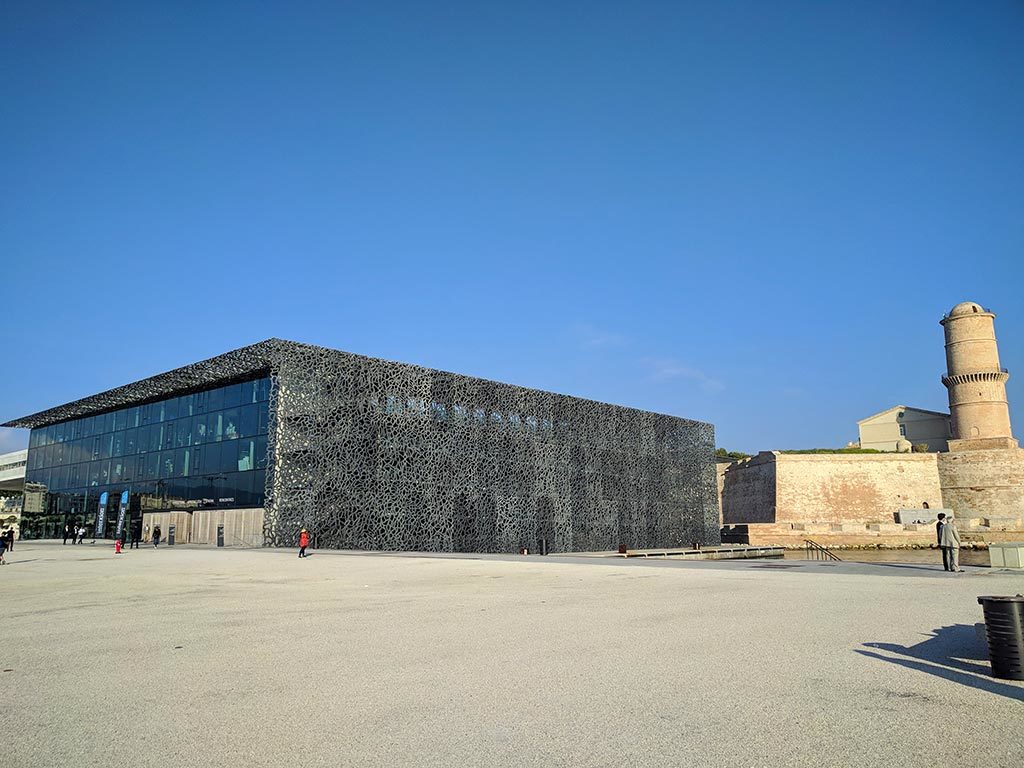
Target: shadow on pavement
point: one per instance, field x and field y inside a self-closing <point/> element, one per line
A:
<point x="956" y="653"/>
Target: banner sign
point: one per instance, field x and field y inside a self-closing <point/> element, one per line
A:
<point x="101" y="517"/>
<point x="121" y="513"/>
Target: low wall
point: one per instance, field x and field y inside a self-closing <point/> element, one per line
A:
<point x="242" y="527"/>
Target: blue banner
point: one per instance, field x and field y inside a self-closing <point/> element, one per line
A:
<point x="121" y="513"/>
<point x="101" y="517"/>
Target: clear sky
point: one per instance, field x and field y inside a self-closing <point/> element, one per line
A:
<point x="752" y="214"/>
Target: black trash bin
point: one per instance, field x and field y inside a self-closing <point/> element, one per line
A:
<point x="170" y="535"/>
<point x="220" y="535"/>
<point x="1004" y="627"/>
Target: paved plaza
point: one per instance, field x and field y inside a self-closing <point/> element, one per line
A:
<point x="191" y="656"/>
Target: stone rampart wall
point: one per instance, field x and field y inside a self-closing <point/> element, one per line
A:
<point x="985" y="483"/>
<point x="830" y="488"/>
<point x="748" y="490"/>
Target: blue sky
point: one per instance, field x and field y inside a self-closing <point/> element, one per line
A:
<point x="752" y="214"/>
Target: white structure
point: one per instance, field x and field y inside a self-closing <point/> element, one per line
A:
<point x="894" y="428"/>
<point x="12" y="472"/>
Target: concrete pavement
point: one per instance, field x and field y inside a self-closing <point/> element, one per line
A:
<point x="199" y="657"/>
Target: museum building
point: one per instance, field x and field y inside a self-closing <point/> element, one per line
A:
<point x="366" y="454"/>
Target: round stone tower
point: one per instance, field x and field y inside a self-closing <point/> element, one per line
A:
<point x="978" y="409"/>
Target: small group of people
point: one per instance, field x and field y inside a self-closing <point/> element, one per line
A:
<point x="6" y="544"/>
<point x="74" y="532"/>
<point x="949" y="542"/>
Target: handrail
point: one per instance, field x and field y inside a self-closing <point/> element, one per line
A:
<point x="815" y="551"/>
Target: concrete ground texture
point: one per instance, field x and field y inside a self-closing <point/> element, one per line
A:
<point x="191" y="656"/>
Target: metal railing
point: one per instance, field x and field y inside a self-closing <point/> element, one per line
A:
<point x="815" y="551"/>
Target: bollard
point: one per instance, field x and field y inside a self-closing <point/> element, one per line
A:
<point x="170" y="535"/>
<point x="220" y="535"/>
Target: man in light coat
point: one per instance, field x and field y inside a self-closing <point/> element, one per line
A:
<point x="951" y="543"/>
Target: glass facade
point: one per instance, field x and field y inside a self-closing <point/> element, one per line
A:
<point x="206" y="449"/>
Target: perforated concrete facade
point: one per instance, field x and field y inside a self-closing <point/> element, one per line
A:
<point x="370" y="454"/>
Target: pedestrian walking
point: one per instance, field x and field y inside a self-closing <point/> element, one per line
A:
<point x="303" y="542"/>
<point x="3" y="549"/>
<point x="951" y="542"/>
<point x="67" y="532"/>
<point x="136" y="535"/>
<point x="81" y="534"/>
<point x="940" y="522"/>
<point x="156" y="536"/>
<point x="10" y="539"/>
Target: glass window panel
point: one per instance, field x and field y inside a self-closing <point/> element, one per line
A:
<point x="261" y="452"/>
<point x="143" y="441"/>
<point x="131" y="442"/>
<point x="214" y="426"/>
<point x="168" y="439"/>
<point x="73" y="430"/>
<point x="145" y="414"/>
<point x="118" y="449"/>
<point x="228" y="457"/>
<point x="246" y="455"/>
<point x="215" y="401"/>
<point x="94" y="473"/>
<point x="232" y="396"/>
<point x="199" y="402"/>
<point x="181" y="432"/>
<point x="248" y="420"/>
<point x="150" y="466"/>
<point x="185" y="463"/>
<point x="120" y="420"/>
<point x="248" y="392"/>
<point x="128" y="471"/>
<point x="106" y="445"/>
<point x="58" y="455"/>
<point x="171" y="409"/>
<point x="106" y="423"/>
<point x="76" y="475"/>
<point x="263" y="390"/>
<point x="87" y="427"/>
<point x="104" y="472"/>
<point x="116" y="470"/>
<point x="199" y="430"/>
<point x="133" y="417"/>
<point x="58" y="435"/>
<point x="60" y="478"/>
<point x="259" y="480"/>
<point x="264" y="417"/>
<point x="167" y="464"/>
<point x="185" y="406"/>
<point x="198" y="461"/>
<point x="229" y="421"/>
<point x="156" y="436"/>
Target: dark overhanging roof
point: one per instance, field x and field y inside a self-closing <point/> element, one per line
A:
<point x="237" y="365"/>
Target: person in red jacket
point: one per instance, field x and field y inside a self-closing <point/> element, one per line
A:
<point x="303" y="542"/>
